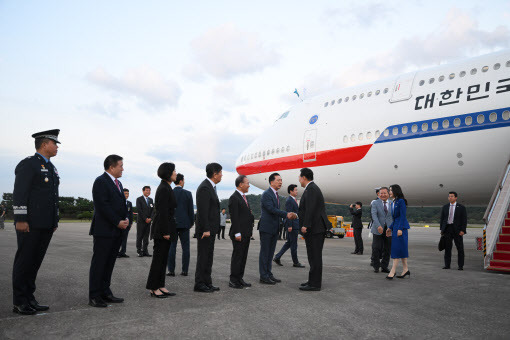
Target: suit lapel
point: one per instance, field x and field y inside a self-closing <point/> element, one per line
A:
<point x="108" y="179"/>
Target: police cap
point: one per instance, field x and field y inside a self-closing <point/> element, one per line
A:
<point x="50" y="134"/>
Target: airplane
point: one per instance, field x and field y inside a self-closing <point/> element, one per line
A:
<point x="442" y="129"/>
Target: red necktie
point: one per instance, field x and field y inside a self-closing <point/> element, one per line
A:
<point x="117" y="184"/>
<point x="246" y="200"/>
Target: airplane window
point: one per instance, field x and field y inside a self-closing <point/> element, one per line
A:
<point x="468" y="120"/>
<point x="326" y="104"/>
<point x="493" y="117"/>
<point x="473" y="71"/>
<point x="462" y="74"/>
<point x="312" y="143"/>
<point x="480" y="119"/>
<point x="346" y="139"/>
<point x="441" y="78"/>
<point x="452" y="75"/>
<point x="369" y="135"/>
<point x="283" y="149"/>
<point x="456" y="122"/>
<point x="497" y="66"/>
<point x="360" y="136"/>
<point x="386" y="132"/>
<point x="277" y="150"/>
<point x="332" y="102"/>
<point x="339" y="100"/>
<point x="354" y="97"/>
<point x="260" y="154"/>
<point x="424" y="127"/>
<point x="264" y="153"/>
<point x="361" y="96"/>
<point x="288" y="148"/>
<point x="485" y="69"/>
<point x="506" y="115"/>
<point x="404" y="130"/>
<point x="446" y="123"/>
<point x="414" y="128"/>
<point x="272" y="152"/>
<point x="377" y="134"/>
<point x="508" y="63"/>
<point x="369" y="94"/>
<point x="431" y="80"/>
<point x="268" y="152"/>
<point x="395" y="131"/>
<point x="284" y="115"/>
<point x="353" y="138"/>
<point x="435" y="125"/>
<point x="386" y="90"/>
<point x="346" y="99"/>
<point x="422" y="82"/>
<point x="377" y="92"/>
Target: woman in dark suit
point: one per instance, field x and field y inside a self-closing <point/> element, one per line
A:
<point x="398" y="232"/>
<point x="162" y="230"/>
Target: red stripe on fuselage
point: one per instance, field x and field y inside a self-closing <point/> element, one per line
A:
<point x="323" y="158"/>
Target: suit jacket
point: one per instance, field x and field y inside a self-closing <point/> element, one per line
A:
<point x="399" y="211"/>
<point x="208" y="209"/>
<point x="109" y="207"/>
<point x="164" y="216"/>
<point x="241" y="216"/>
<point x="144" y="211"/>
<point x="184" y="212"/>
<point x="270" y="213"/>
<point x="312" y="210"/>
<point x="130" y="212"/>
<point x="379" y="217"/>
<point x="356" y="218"/>
<point x="291" y="206"/>
<point x="459" y="218"/>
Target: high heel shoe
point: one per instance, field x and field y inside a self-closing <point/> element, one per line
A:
<point x="405" y="274"/>
<point x="390" y="277"/>
<point x="162" y="296"/>
<point x="167" y="293"/>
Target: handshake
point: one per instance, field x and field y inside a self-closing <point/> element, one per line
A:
<point x="292" y="216"/>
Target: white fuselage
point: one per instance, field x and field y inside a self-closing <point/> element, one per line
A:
<point x="378" y="138"/>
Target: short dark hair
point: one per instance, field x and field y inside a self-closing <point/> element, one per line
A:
<point x="384" y="188"/>
<point x="212" y="168"/>
<point x="165" y="171"/>
<point x="178" y="179"/>
<point x="146" y="186"/>
<point x="111" y="160"/>
<point x="307" y="173"/>
<point x="125" y="190"/>
<point x="291" y="188"/>
<point x="273" y="176"/>
<point x="240" y="180"/>
<point x="359" y="203"/>
<point x="40" y="141"/>
<point x="453" y="193"/>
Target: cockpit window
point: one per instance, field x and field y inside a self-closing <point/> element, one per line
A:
<point x="284" y="115"/>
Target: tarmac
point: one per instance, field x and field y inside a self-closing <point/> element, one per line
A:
<point x="354" y="303"/>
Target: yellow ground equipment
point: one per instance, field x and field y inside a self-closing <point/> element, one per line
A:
<point x="339" y="227"/>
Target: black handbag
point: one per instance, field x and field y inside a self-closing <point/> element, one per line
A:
<point x="442" y="243"/>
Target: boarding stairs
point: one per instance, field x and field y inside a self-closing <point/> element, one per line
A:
<point x="497" y="226"/>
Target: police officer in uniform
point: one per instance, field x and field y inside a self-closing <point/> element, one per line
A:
<point x="35" y="207"/>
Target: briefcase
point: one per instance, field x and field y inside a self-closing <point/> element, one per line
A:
<point x="442" y="243"/>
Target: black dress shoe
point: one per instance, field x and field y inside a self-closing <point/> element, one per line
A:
<point x="24" y="309"/>
<point x="35" y="305"/>
<point x="354" y="252"/>
<point x="309" y="289"/>
<point x="272" y="278"/>
<point x="460" y="268"/>
<point x="160" y="296"/>
<point x="202" y="289"/>
<point x="125" y="255"/>
<point x="445" y="267"/>
<point x="304" y="284"/>
<point x="376" y="270"/>
<point x="235" y="285"/>
<point x="213" y="288"/>
<point x="167" y="293"/>
<point x="112" y="299"/>
<point x="360" y="253"/>
<point x="184" y="273"/>
<point x="298" y="265"/>
<point x="407" y="273"/>
<point x="140" y="255"/>
<point x="267" y="281"/>
<point x="277" y="261"/>
<point x="121" y="255"/>
<point x="245" y="284"/>
<point x="385" y="270"/>
<point x="147" y="255"/>
<point x="97" y="302"/>
<point x="170" y="274"/>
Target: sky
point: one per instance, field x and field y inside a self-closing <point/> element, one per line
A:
<point x="196" y="82"/>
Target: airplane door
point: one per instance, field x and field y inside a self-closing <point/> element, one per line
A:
<point x="309" y="145"/>
<point x="403" y="88"/>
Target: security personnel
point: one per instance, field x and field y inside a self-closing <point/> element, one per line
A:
<point x="35" y="207"/>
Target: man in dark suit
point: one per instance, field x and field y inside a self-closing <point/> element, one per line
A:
<point x="184" y="218"/>
<point x="268" y="227"/>
<point x="109" y="220"/>
<point x="145" y="209"/>
<point x="292" y="226"/>
<point x="313" y="222"/>
<point x="240" y="232"/>
<point x="207" y="226"/>
<point x="35" y="207"/>
<point x="357" y="227"/>
<point x="453" y="226"/>
<point x="125" y="232"/>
